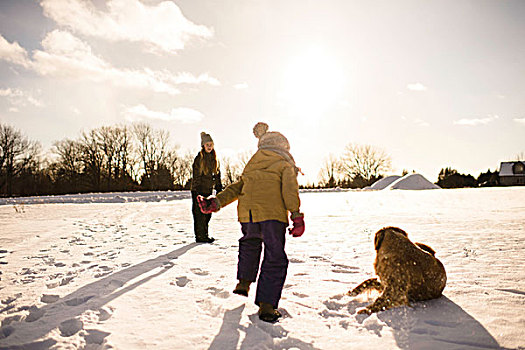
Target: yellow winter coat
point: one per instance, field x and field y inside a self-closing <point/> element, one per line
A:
<point x="268" y="189"/>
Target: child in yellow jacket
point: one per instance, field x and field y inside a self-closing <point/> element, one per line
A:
<point x="266" y="193"/>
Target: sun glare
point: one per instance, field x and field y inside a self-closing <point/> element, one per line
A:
<point x="313" y="83"/>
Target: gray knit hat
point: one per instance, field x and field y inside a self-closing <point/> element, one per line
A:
<point x="270" y="139"/>
<point x="205" y="138"/>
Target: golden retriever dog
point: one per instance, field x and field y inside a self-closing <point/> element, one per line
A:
<point x="407" y="272"/>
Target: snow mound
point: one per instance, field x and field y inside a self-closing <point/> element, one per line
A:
<point x="383" y="183"/>
<point x="412" y="182"/>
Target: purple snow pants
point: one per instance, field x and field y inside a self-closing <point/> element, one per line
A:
<point x="271" y="233"/>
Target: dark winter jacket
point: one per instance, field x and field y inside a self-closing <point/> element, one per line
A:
<point x="204" y="184"/>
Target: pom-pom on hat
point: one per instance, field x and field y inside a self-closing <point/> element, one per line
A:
<point x="205" y="138"/>
<point x="270" y="139"/>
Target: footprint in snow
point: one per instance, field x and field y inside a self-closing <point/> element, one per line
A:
<point x="6" y="331"/>
<point x="95" y="336"/>
<point x="221" y="293"/>
<point x="78" y="301"/>
<point x="168" y="264"/>
<point x="35" y="314"/>
<point x="333" y="305"/>
<point x="70" y="327"/>
<point x="52" y="285"/>
<point x="114" y="284"/>
<point x="301" y="274"/>
<point x="66" y="280"/>
<point x="319" y="258"/>
<point x="9" y="300"/>
<point x="182" y="281"/>
<point x="102" y="274"/>
<point x="10" y="319"/>
<point x="105" y="313"/>
<point x="300" y="295"/>
<point x="340" y="268"/>
<point x="49" y="298"/>
<point x="199" y="272"/>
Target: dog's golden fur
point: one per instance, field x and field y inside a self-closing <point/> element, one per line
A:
<point x="407" y="272"/>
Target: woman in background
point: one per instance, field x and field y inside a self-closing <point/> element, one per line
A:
<point x="206" y="177"/>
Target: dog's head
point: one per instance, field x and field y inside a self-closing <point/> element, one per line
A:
<point x="380" y="235"/>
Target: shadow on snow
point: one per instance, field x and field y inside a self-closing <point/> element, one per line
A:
<point x="89" y="297"/>
<point x="437" y="324"/>
<point x="259" y="334"/>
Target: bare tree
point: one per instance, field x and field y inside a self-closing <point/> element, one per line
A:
<point x="154" y="154"/>
<point x="92" y="158"/>
<point x="123" y="164"/>
<point x="66" y="169"/>
<point x="520" y="156"/>
<point x="329" y="173"/>
<point x="16" y="152"/>
<point x="232" y="167"/>
<point x="364" y="162"/>
<point x="182" y="168"/>
<point x="115" y="144"/>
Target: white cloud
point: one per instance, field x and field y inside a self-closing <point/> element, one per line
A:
<point x="161" y="27"/>
<point x="13" y="52"/>
<point x="13" y="110"/>
<point x="416" y="87"/>
<point x="66" y="56"/>
<point x="520" y="120"/>
<point x="188" y="78"/>
<point x="20" y="98"/>
<point x="420" y="122"/>
<point x="241" y="86"/>
<point x="476" y="121"/>
<point x="181" y="114"/>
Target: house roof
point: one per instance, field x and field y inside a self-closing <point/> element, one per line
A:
<point x="506" y="169"/>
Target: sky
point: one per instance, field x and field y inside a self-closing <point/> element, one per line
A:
<point x="432" y="83"/>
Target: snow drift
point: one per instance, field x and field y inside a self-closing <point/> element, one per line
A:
<point x="382" y="183"/>
<point x="412" y="182"/>
<point x="407" y="182"/>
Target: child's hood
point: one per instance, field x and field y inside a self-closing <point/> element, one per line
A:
<point x="263" y="159"/>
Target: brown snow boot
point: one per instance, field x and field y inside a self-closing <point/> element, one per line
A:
<point x="267" y="313"/>
<point x="242" y="288"/>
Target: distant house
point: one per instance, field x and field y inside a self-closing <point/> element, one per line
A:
<point x="512" y="173"/>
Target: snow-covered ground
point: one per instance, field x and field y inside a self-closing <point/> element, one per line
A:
<point x="127" y="275"/>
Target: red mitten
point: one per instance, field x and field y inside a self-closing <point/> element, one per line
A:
<point x="298" y="225"/>
<point x="208" y="205"/>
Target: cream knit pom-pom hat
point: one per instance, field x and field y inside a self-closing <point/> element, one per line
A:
<point x="268" y="139"/>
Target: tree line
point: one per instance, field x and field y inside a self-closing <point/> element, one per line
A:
<point x="451" y="178"/>
<point x="138" y="157"/>
<point x="104" y="159"/>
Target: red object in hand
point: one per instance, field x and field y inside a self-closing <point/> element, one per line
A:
<point x="207" y="205"/>
<point x="298" y="227"/>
